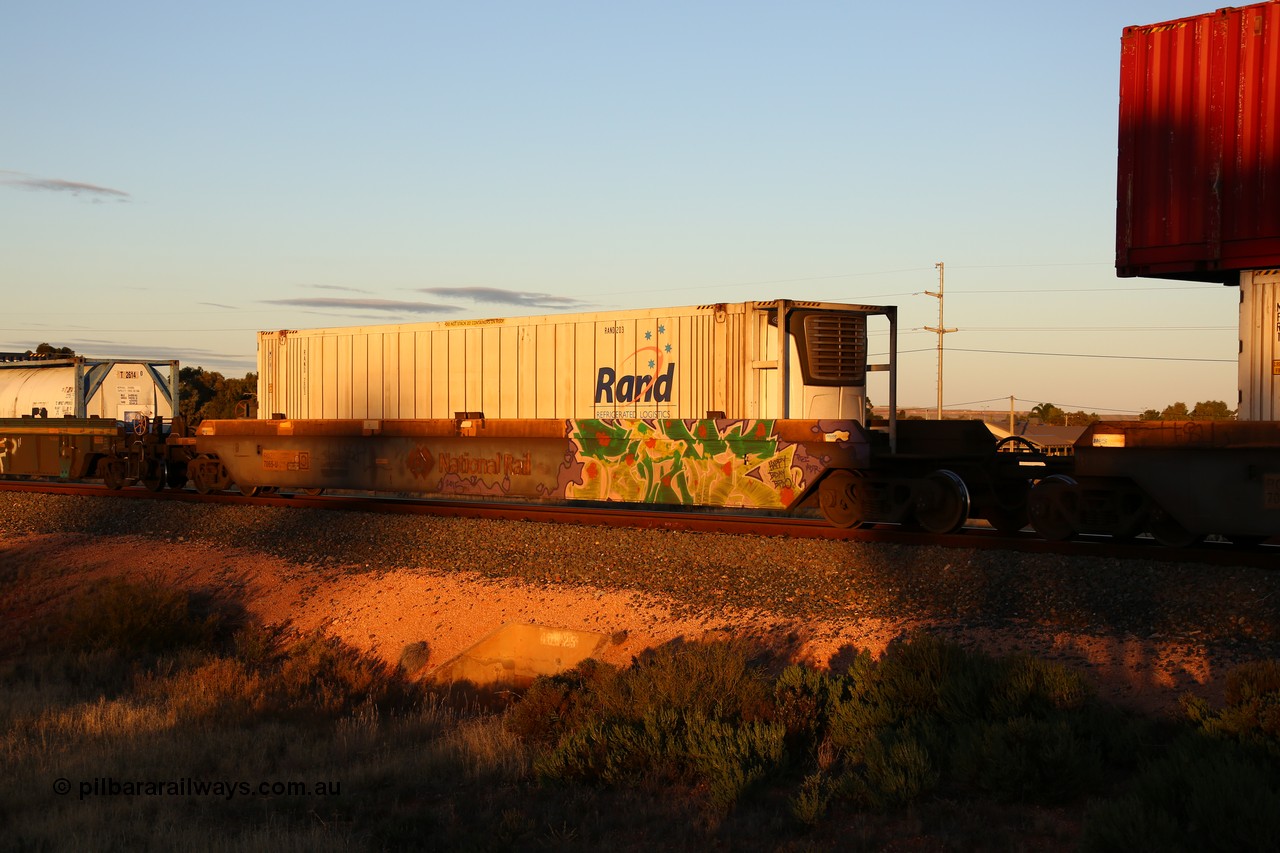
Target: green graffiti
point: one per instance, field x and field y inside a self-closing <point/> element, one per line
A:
<point x="738" y="463"/>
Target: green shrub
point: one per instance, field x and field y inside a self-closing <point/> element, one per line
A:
<point x="732" y="756"/>
<point x="1252" y="711"/>
<point x="894" y="771"/>
<point x="691" y="714"/>
<point x="322" y="676"/>
<point x="1046" y="759"/>
<point x="259" y="646"/>
<point x="548" y="709"/>
<point x="930" y="713"/>
<point x="804" y="697"/>
<point x="722" y="759"/>
<point x="919" y="679"/>
<point x="809" y="804"/>
<point x="717" y="680"/>
<point x="1204" y="794"/>
<point x="136" y="617"/>
<point x="1217" y="788"/>
<point x="928" y="716"/>
<point x="928" y="675"/>
<point x="414" y="657"/>
<point x="1024" y="684"/>
<point x="713" y="680"/>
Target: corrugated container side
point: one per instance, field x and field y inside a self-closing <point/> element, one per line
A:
<point x="1198" y="189"/>
<point x="700" y="359"/>
<point x="1260" y="346"/>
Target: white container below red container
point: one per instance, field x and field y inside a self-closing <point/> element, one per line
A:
<point x="1260" y="345"/>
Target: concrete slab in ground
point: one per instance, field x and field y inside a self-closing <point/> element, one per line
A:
<point x="517" y="653"/>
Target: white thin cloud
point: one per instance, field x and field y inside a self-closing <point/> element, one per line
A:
<point x="386" y="305"/>
<point x="18" y="180"/>
<point x="500" y="296"/>
<point x="336" y="287"/>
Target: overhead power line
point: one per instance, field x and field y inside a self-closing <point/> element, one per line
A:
<point x="1100" y="329"/>
<point x="1065" y="406"/>
<point x="1091" y="355"/>
<point x="1035" y="290"/>
<point x="1063" y="355"/>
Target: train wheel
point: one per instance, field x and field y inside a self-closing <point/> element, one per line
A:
<point x="259" y="491"/>
<point x="1050" y="508"/>
<point x="942" y="502"/>
<point x="112" y="472"/>
<point x="156" y="475"/>
<point x="201" y="482"/>
<point x="838" y="499"/>
<point x="315" y="493"/>
<point x="1168" y="531"/>
<point x="208" y="475"/>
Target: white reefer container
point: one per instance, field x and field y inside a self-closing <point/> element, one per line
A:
<point x="84" y="388"/>
<point x="1260" y="345"/>
<point x="725" y="360"/>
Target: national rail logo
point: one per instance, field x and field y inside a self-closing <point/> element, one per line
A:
<point x="420" y="461"/>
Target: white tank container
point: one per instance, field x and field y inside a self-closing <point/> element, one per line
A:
<point x="1260" y="345"/>
<point x="686" y="362"/>
<point x="84" y="388"/>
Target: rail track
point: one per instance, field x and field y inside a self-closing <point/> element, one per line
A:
<point x="977" y="535"/>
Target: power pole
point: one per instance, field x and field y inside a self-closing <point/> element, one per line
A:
<point x="941" y="330"/>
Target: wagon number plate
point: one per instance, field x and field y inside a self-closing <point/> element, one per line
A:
<point x="286" y="460"/>
<point x="1271" y="491"/>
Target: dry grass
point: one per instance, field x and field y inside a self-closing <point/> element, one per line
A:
<point x="142" y="695"/>
<point x="693" y="746"/>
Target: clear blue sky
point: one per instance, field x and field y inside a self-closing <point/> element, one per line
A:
<point x="174" y="178"/>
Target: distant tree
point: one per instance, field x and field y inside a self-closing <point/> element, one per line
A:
<point x="50" y="351"/>
<point x="1049" y="414"/>
<point x="1212" y="410"/>
<point x="1205" y="410"/>
<point x="1081" y="418"/>
<point x="208" y="394"/>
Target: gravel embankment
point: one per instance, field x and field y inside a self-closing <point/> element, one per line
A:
<point x="1234" y="610"/>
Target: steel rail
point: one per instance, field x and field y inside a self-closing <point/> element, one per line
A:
<point x="973" y="537"/>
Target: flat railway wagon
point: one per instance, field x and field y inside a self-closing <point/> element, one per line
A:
<point x="1179" y="481"/>
<point x="119" y="453"/>
<point x="81" y="418"/>
<point x="759" y="405"/>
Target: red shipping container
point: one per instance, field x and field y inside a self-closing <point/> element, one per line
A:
<point x="1198" y="194"/>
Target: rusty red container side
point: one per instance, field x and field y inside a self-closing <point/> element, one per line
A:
<point x="1198" y="193"/>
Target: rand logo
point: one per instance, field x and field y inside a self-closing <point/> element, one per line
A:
<point x="611" y="388"/>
